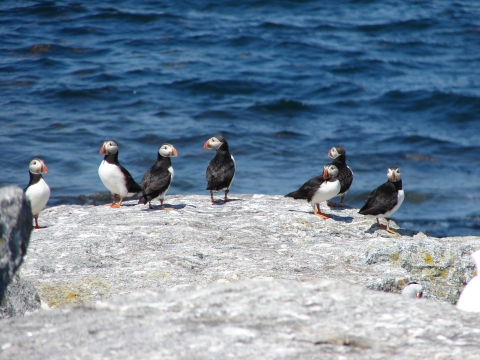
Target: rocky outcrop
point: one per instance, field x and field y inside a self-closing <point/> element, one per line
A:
<point x="265" y="319"/>
<point x="15" y="228"/>
<point x="89" y="253"/>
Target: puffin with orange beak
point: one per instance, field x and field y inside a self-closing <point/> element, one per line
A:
<point x="385" y="199"/>
<point x="345" y="174"/>
<point x="157" y="179"/>
<point x="328" y="189"/>
<point x="37" y="190"/>
<point x="221" y="170"/>
<point x="114" y="176"/>
<point x="413" y="290"/>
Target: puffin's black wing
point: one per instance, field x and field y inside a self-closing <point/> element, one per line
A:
<point x="381" y="200"/>
<point x="220" y="172"/>
<point x="345" y="175"/>
<point x="132" y="186"/>
<point x="302" y="192"/>
<point x="155" y="182"/>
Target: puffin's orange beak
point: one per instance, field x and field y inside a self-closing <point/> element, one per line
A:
<point x="174" y="153"/>
<point x="329" y="154"/>
<point x="103" y="150"/>
<point x="325" y="174"/>
<point x="44" y="168"/>
<point x="207" y="145"/>
<point x="393" y="176"/>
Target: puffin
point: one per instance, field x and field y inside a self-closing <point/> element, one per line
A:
<point x="385" y="199"/>
<point x="37" y="190"/>
<point x="221" y="169"/>
<point x="470" y="297"/>
<point x="328" y="189"/>
<point x="114" y="176"/>
<point x="413" y="290"/>
<point x="157" y="179"/>
<point x="345" y="174"/>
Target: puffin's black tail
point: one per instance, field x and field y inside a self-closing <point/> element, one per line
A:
<point x="143" y="199"/>
<point x="295" y="195"/>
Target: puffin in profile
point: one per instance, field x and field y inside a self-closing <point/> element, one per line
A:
<point x="413" y="290"/>
<point x="385" y="199"/>
<point x="114" y="176"/>
<point x="470" y="297"/>
<point x="328" y="189"/>
<point x="37" y="190"/>
<point x="157" y="179"/>
<point x="221" y="170"/>
<point x="345" y="174"/>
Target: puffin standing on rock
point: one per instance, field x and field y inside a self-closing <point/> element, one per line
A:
<point x="385" y="199"/>
<point x="157" y="179"/>
<point x="114" y="176"/>
<point x="328" y="189"/>
<point x="37" y="190"/>
<point x="221" y="170"/>
<point x="345" y="174"/>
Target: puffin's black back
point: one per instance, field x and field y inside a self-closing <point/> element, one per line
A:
<point x="156" y="180"/>
<point x="131" y="184"/>
<point x="382" y="199"/>
<point x="345" y="175"/>
<point x="302" y="192"/>
<point x="221" y="169"/>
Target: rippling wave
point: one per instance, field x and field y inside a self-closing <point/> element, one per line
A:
<point x="397" y="84"/>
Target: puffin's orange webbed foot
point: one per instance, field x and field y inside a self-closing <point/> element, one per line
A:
<point x="116" y="206"/>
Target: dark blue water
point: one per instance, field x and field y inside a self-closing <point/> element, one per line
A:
<point x="395" y="83"/>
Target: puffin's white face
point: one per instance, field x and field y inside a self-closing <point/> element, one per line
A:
<point x="167" y="150"/>
<point x="212" y="143"/>
<point x="37" y="166"/>
<point x="109" y="147"/>
<point x="394" y="174"/>
<point x="329" y="171"/>
<point x="335" y="151"/>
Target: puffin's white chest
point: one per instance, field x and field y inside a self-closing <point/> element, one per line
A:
<point x="113" y="178"/>
<point x="38" y="194"/>
<point x="326" y="191"/>
<point x="400" y="198"/>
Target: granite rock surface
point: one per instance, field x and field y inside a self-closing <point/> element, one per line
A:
<point x="15" y="228"/>
<point x="263" y="319"/>
<point x="89" y="253"/>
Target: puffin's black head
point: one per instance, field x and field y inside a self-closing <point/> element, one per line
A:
<point x="215" y="142"/>
<point x="167" y="150"/>
<point x="336" y="151"/>
<point x="37" y="166"/>
<point x="394" y="174"/>
<point x="109" y="147"/>
<point x="329" y="171"/>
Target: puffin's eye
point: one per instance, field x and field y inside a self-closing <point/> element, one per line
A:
<point x="34" y="163"/>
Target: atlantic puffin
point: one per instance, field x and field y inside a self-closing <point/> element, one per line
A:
<point x="221" y="170"/>
<point x="385" y="199"/>
<point x="157" y="179"/>
<point x="114" y="176"/>
<point x="37" y="190"/>
<point x="470" y="297"/>
<point x="328" y="189"/>
<point x="345" y="174"/>
<point x="413" y="290"/>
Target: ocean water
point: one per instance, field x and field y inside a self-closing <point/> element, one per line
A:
<point x="395" y="83"/>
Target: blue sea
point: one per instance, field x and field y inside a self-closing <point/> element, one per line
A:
<point x="397" y="83"/>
